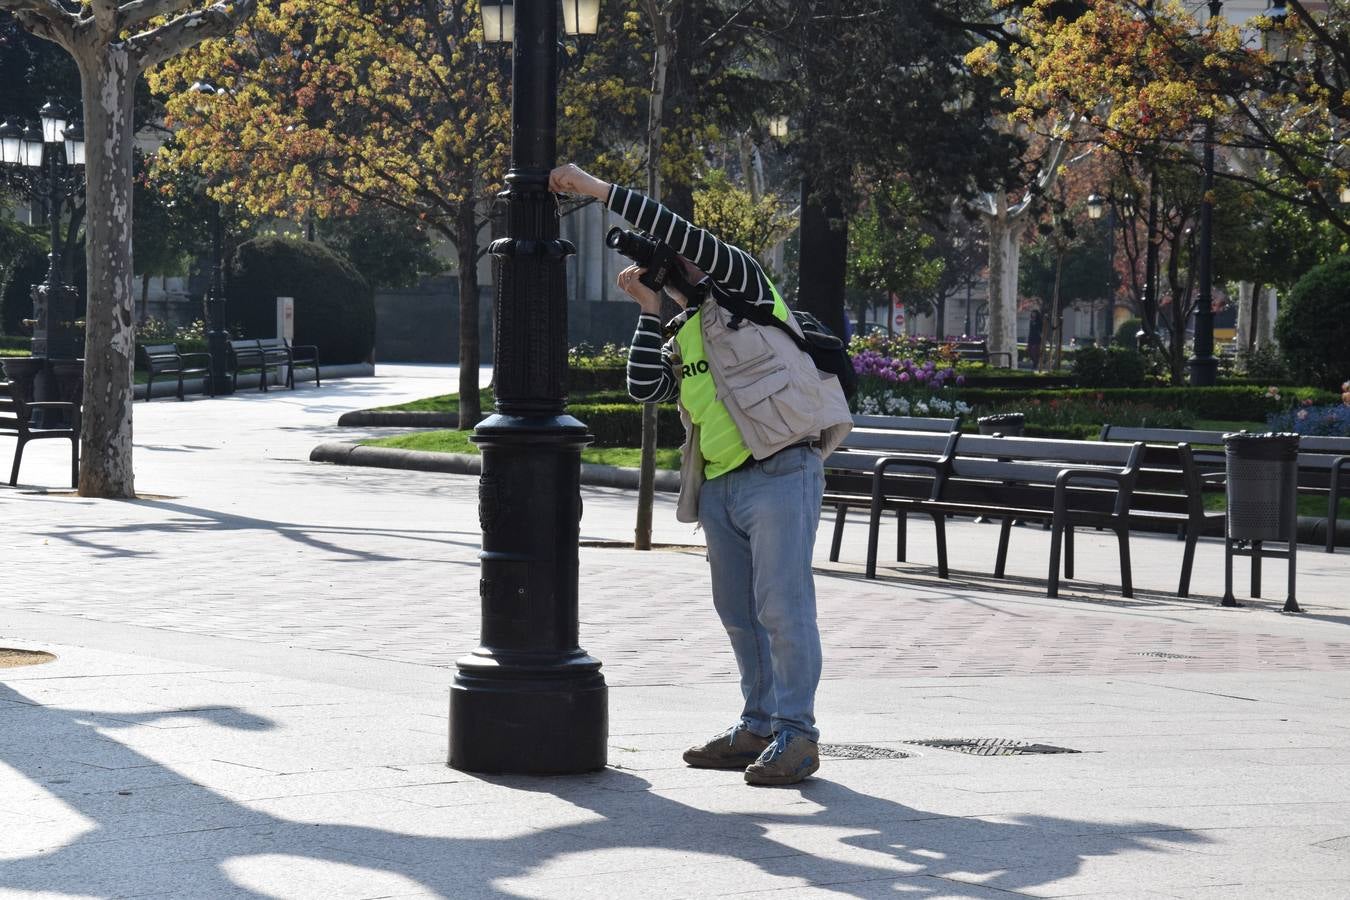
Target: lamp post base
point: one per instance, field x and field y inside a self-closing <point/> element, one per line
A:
<point x="1204" y="371"/>
<point x="502" y="723"/>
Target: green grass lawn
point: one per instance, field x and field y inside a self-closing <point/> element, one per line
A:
<point x="458" y="442"/>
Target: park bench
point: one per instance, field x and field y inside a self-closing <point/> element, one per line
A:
<point x="978" y="351"/>
<point x="1070" y="484"/>
<point x="848" y="472"/>
<point x="1323" y="462"/>
<point x="849" y="475"/>
<point x="16" y="415"/>
<point x="269" y="355"/>
<point x="165" y="359"/>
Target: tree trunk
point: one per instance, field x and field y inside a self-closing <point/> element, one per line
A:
<point x="466" y="247"/>
<point x="1245" y="332"/>
<point x="1263" y="315"/>
<point x="656" y="110"/>
<point x="822" y="262"/>
<point x="1004" y="258"/>
<point x="109" y="90"/>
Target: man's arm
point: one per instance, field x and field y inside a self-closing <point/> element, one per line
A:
<point x="651" y="375"/>
<point x="730" y="267"/>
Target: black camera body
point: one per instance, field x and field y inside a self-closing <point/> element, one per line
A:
<point x="662" y="265"/>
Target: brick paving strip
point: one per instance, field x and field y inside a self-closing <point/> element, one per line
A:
<point x="249" y="698"/>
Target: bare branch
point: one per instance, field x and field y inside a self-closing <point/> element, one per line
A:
<point x="150" y="48"/>
<point x="138" y="12"/>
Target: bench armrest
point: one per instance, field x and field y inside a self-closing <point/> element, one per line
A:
<point x="1124" y="479"/>
<point x="1003" y="353"/>
<point x="937" y="464"/>
<point x="51" y="404"/>
<point x="184" y="357"/>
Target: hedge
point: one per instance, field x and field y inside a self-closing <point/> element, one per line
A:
<point x="1239" y="403"/>
<point x="620" y="424"/>
<point x="581" y="379"/>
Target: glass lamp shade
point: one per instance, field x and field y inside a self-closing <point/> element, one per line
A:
<point x="778" y="126"/>
<point x="10" y="135"/>
<point x="53" y="122"/>
<point x="74" y="135"/>
<point x="499" y="21"/>
<point x="30" y="148"/>
<point x="1096" y="206"/>
<point x="581" y="16"/>
<point x="1345" y="193"/>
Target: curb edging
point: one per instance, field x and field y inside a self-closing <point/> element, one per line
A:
<point x="348" y="453"/>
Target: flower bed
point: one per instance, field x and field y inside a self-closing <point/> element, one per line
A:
<point x="1332" y="419"/>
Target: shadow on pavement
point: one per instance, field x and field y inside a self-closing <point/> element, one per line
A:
<point x="194" y="841"/>
<point x="193" y="519"/>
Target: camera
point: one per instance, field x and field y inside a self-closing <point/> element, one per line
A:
<point x="662" y="265"/>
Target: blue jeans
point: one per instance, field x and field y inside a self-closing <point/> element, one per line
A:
<point x="760" y="524"/>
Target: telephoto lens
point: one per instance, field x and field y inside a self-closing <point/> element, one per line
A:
<point x="657" y="259"/>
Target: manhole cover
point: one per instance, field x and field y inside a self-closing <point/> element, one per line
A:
<point x="12" y="659"/>
<point x="860" y="751"/>
<point x="991" y="746"/>
<point x="1161" y="654"/>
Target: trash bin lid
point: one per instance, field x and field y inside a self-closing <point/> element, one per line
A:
<point x="1271" y="446"/>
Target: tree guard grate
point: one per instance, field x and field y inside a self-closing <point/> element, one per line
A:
<point x="991" y="746"/>
<point x="860" y="751"/>
<point x="1160" y="654"/>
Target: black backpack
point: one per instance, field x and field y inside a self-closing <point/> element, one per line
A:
<point x="826" y="350"/>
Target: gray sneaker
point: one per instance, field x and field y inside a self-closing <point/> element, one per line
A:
<point x="734" y="748"/>
<point x="788" y="760"/>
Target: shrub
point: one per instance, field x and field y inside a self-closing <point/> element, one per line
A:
<point x="24" y="265"/>
<point x="1264" y="364"/>
<point x="1127" y="334"/>
<point x="1107" y="367"/>
<point x="620" y="424"/>
<point x="334" y="306"/>
<point x="1313" y="326"/>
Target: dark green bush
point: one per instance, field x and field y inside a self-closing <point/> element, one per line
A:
<point x="1313" y="327"/>
<point x="1127" y="334"/>
<point x="1115" y="367"/>
<point x="24" y="265"/>
<point x="620" y="424"/>
<point x="597" y="379"/>
<point x="1264" y="364"/>
<point x="334" y="306"/>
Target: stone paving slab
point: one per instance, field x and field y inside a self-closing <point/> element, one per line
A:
<point x="250" y="700"/>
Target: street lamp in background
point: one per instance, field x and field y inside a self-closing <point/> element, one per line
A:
<point x="529" y="700"/>
<point x="217" y="335"/>
<point x="1097" y="207"/>
<point x="1204" y="367"/>
<point x="47" y="161"/>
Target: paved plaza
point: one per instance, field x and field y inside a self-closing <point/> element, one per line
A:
<point x="253" y="659"/>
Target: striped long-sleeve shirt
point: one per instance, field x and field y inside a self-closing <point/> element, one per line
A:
<point x="733" y="272"/>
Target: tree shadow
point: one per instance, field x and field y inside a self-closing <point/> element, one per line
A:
<point x="192" y="840"/>
<point x="103" y="541"/>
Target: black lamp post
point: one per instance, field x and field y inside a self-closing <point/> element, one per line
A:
<point x="217" y="336"/>
<point x="1097" y="207"/>
<point x="529" y="699"/>
<point x="1204" y="367"/>
<point x="47" y="160"/>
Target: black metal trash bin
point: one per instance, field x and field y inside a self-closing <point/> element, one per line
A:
<point x="1006" y="424"/>
<point x="1262" y="493"/>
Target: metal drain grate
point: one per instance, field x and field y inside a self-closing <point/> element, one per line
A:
<point x="991" y="746"/>
<point x="860" y="751"/>
<point x="1161" y="654"/>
